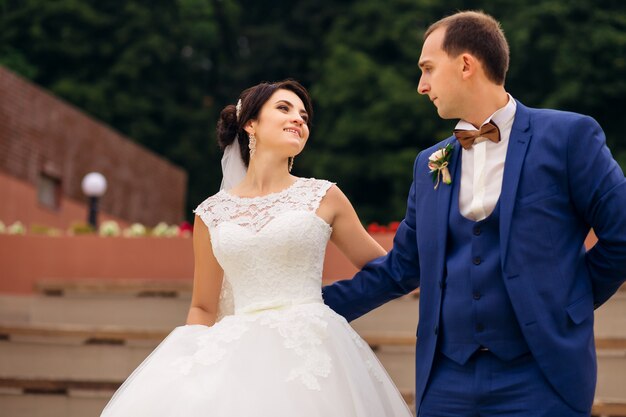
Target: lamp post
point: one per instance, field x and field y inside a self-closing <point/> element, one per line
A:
<point x="94" y="186"/>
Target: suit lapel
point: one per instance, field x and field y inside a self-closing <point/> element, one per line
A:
<point x="519" y="140"/>
<point x="442" y="208"/>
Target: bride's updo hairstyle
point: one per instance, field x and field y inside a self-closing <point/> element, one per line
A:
<point x="230" y="127"/>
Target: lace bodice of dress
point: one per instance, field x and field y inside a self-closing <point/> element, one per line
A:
<point x="271" y="247"/>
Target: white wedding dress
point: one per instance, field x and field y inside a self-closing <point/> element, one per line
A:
<point x="282" y="352"/>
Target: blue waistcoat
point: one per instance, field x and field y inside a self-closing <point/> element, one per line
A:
<point x="476" y="310"/>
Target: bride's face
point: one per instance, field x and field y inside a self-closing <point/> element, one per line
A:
<point x="282" y="124"/>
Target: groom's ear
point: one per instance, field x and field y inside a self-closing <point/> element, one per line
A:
<point x="469" y="65"/>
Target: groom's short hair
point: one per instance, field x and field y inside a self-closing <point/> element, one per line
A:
<point x="478" y="34"/>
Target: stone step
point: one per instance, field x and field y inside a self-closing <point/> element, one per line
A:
<point x="610" y="318"/>
<point x="71" y="358"/>
<point x="50" y="398"/>
<point x="107" y="358"/>
<point x="110" y="353"/>
<point x="398" y="360"/>
<point x="105" y="353"/>
<point x="399" y="315"/>
<point x="608" y="409"/>
<point x="159" y="312"/>
<point x="109" y="335"/>
<point x="402" y="314"/>
<point x="146" y="312"/>
<point x="171" y="288"/>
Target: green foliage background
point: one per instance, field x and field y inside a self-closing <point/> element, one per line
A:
<point x="160" y="72"/>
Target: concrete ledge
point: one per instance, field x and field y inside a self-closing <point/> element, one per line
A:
<point x="90" y="334"/>
<point x="29" y="259"/>
<point x="608" y="409"/>
<point x="57" y="387"/>
<point x="171" y="288"/>
<point x="118" y="333"/>
<point x="17" y="386"/>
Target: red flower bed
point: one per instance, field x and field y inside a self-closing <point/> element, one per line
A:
<point x="379" y="228"/>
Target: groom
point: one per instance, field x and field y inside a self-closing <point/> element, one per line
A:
<point x="507" y="289"/>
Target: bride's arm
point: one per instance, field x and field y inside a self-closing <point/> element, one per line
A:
<point x="348" y="233"/>
<point x="207" y="278"/>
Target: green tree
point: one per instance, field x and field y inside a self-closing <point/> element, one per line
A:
<point x="572" y="56"/>
<point x="161" y="72"/>
<point x="372" y="123"/>
<point x="568" y="56"/>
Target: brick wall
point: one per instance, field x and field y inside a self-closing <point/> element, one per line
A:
<point x="42" y="133"/>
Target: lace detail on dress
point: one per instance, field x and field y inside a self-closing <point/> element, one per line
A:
<point x="212" y="347"/>
<point x="304" y="332"/>
<point x="271" y="249"/>
<point x="254" y="213"/>
<point x="226" y="305"/>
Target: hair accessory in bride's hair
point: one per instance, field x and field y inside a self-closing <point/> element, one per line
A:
<point x="238" y="109"/>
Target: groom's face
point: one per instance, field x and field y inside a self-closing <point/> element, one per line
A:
<point x="441" y="76"/>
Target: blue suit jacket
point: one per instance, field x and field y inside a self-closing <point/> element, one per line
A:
<point x="559" y="180"/>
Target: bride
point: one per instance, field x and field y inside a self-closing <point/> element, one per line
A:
<point x="259" y="341"/>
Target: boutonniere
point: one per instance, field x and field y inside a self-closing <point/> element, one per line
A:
<point x="438" y="165"/>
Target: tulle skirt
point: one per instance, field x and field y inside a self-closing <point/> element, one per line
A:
<point x="304" y="360"/>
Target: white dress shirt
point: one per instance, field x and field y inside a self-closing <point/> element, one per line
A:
<point x="482" y="166"/>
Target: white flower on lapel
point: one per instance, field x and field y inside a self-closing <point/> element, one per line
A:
<point x="438" y="165"/>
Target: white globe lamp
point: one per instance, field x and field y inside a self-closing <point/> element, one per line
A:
<point x="94" y="186"/>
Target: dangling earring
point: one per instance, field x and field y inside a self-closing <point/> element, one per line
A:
<point x="291" y="158"/>
<point x="252" y="144"/>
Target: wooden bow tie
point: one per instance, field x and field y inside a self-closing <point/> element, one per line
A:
<point x="467" y="137"/>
